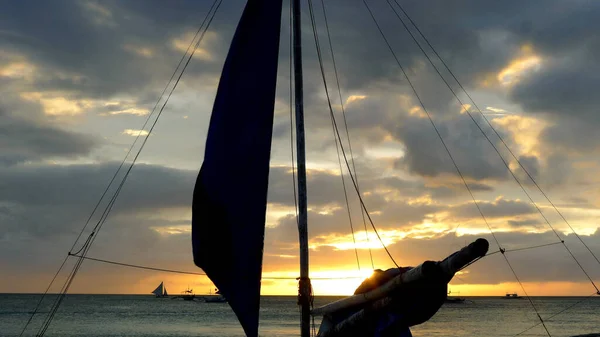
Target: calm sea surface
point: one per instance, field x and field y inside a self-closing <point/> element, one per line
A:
<point x="141" y="315"/>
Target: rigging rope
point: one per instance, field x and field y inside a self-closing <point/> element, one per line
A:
<point x="87" y="245"/>
<point x="453" y="161"/>
<point x="332" y="116"/>
<point x="333" y="126"/>
<point x="97" y="205"/>
<point x="508" y="251"/>
<point x="268" y="278"/>
<point x="339" y="90"/>
<point x="345" y="195"/>
<point x="496" y="149"/>
<point x="291" y="75"/>
<point x="122" y="264"/>
<point x="495" y="131"/>
<point x="558" y="313"/>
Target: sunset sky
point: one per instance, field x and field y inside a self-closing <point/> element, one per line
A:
<point x="79" y="78"/>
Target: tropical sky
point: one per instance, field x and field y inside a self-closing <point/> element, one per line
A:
<point x="80" y="78"/>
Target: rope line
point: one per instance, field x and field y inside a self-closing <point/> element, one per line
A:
<point x="496" y="149"/>
<point x="291" y="75"/>
<point x="451" y="158"/>
<point x="266" y="278"/>
<point x="335" y="139"/>
<point x="339" y="90"/>
<point x="97" y="205"/>
<point x="558" y="313"/>
<point x="175" y="271"/>
<point x="332" y="116"/>
<point x="345" y="194"/>
<point x="509" y="251"/>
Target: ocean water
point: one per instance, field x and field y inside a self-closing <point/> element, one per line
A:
<point x="143" y="315"/>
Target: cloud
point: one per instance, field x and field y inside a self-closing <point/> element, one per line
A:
<point x="33" y="139"/>
<point x="497" y="209"/>
<point x="427" y="156"/>
<point x="95" y="69"/>
<point x="135" y="133"/>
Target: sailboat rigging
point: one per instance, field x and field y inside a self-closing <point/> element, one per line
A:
<point x="367" y="314"/>
<point x="230" y="203"/>
<point x="240" y="220"/>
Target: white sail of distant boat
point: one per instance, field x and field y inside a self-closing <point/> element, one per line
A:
<point x="160" y="291"/>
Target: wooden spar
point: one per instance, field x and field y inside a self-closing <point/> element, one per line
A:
<point x="463" y="257"/>
<point x="443" y="271"/>
<point x="304" y="288"/>
<point x="418" y="273"/>
<point x="328" y="329"/>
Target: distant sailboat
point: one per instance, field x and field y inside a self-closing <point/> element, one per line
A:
<point x="216" y="298"/>
<point x="512" y="296"/>
<point x="160" y="291"/>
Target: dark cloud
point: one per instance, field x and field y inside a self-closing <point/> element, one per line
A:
<point x="531" y="164"/>
<point x="497" y="209"/>
<point x="87" y="41"/>
<point x="26" y="141"/>
<point x="27" y="135"/>
<point x="55" y="200"/>
<point x="563" y="89"/>
<point x="525" y="223"/>
<point x="572" y="136"/>
<point x="425" y="154"/>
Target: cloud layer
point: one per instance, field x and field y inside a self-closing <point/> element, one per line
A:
<point x="76" y="85"/>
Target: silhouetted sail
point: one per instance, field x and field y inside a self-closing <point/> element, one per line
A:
<point x="165" y="293"/>
<point x="159" y="290"/>
<point x="230" y="196"/>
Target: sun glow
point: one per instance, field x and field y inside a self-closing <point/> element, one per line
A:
<point x="324" y="282"/>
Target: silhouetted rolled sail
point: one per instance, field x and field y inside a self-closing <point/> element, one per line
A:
<point x="391" y="301"/>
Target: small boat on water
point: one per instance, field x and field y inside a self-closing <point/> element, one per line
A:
<point x="512" y="296"/>
<point x="186" y="295"/>
<point x="216" y="298"/>
<point x="160" y="291"/>
<point x="452" y="299"/>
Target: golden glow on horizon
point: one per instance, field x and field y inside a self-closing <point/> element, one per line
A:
<point x="532" y="288"/>
<point x="324" y="282"/>
<point x="344" y="282"/>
